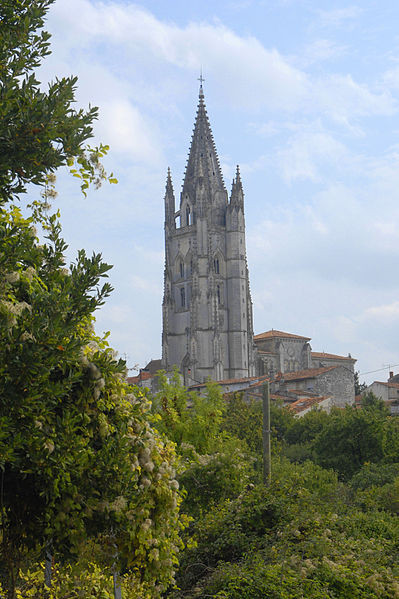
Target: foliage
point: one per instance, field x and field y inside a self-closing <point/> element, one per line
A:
<point x="374" y="475"/>
<point x="243" y="419"/>
<point x="359" y="387"/>
<point x="305" y="429"/>
<point x="372" y="402"/>
<point x="187" y="418"/>
<point x="80" y="465"/>
<point x="300" y="537"/>
<point x="208" y="454"/>
<point x="349" y="439"/>
<point x="212" y="478"/>
<point x="78" y="456"/>
<point x="40" y="130"/>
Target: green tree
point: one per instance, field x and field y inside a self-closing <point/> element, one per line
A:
<point x="244" y="419"/>
<point x="40" y="130"/>
<point x="349" y="439"/>
<point x="359" y="387"/>
<point x="80" y="464"/>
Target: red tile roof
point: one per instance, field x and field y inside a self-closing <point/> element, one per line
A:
<point x="322" y="355"/>
<point x="143" y="376"/>
<point x="304" y="404"/>
<point x="233" y="381"/>
<point x="309" y="373"/>
<point x="274" y="333"/>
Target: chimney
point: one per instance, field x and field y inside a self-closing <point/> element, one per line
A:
<point x="391" y="375"/>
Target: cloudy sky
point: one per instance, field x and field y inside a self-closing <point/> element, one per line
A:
<point x="304" y="95"/>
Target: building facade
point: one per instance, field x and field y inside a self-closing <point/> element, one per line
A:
<point x="280" y="352"/>
<point x="207" y="308"/>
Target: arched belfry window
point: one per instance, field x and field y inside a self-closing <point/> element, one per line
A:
<point x="181" y="270"/>
<point x="216" y="265"/>
<point x="183" y="297"/>
<point x="188" y="215"/>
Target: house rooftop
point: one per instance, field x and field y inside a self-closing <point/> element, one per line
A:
<point x="263" y="377"/>
<point x="324" y="355"/>
<point x="273" y="333"/>
<point x="309" y="373"/>
<point x="304" y="404"/>
<point x="142" y="376"/>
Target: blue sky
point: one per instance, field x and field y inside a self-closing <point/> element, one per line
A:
<point x="304" y="95"/>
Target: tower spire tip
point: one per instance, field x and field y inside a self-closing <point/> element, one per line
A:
<point x="201" y="80"/>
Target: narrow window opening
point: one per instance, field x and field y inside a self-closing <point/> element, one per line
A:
<point x="188" y="216"/>
<point x="218" y="293"/>
<point x="216" y="265"/>
<point x="191" y="266"/>
<point x="181" y="269"/>
<point x="183" y="297"/>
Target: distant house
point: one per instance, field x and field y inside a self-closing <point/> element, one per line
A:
<point x="388" y="392"/>
<point x="294" y="370"/>
<point x="334" y="383"/>
<point x="288" y="359"/>
<point x="146" y="376"/>
<point x="278" y="351"/>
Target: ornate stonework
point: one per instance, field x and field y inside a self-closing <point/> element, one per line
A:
<point x="207" y="307"/>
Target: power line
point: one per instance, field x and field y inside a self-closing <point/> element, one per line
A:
<point x="379" y="369"/>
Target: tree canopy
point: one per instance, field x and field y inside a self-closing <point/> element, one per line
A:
<point x="84" y="474"/>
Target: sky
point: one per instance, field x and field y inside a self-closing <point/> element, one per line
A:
<point x="304" y="96"/>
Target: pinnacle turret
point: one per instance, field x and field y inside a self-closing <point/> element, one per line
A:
<point x="203" y="160"/>
<point x="169" y="199"/>
<point x="237" y="193"/>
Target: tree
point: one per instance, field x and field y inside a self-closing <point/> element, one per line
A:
<point x="349" y="439"/>
<point x="359" y="387"/>
<point x="80" y="464"/>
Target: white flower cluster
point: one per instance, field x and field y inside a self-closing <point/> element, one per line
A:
<point x="12" y="310"/>
<point x="12" y="277"/>
<point x="119" y="504"/>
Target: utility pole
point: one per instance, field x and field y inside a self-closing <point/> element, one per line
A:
<point x="267" y="470"/>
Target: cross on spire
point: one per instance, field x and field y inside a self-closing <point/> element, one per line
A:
<point x="200" y="78"/>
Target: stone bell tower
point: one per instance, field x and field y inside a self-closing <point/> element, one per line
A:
<point x="207" y="308"/>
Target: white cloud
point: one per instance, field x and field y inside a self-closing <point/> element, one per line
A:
<point x="128" y="132"/>
<point x="318" y="51"/>
<point x="338" y="16"/>
<point x="387" y="313"/>
<point x="390" y="78"/>
<point x="309" y="152"/>
<point x="249" y="75"/>
<point x="342" y="99"/>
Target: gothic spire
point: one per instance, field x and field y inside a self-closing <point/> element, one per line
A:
<point x="169" y="184"/>
<point x="169" y="199"/>
<point x="237" y="193"/>
<point x="203" y="160"/>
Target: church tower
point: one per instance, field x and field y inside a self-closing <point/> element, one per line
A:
<point x="207" y="307"/>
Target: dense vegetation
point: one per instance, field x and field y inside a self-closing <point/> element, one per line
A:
<point x="84" y="477"/>
<point x="328" y="524"/>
